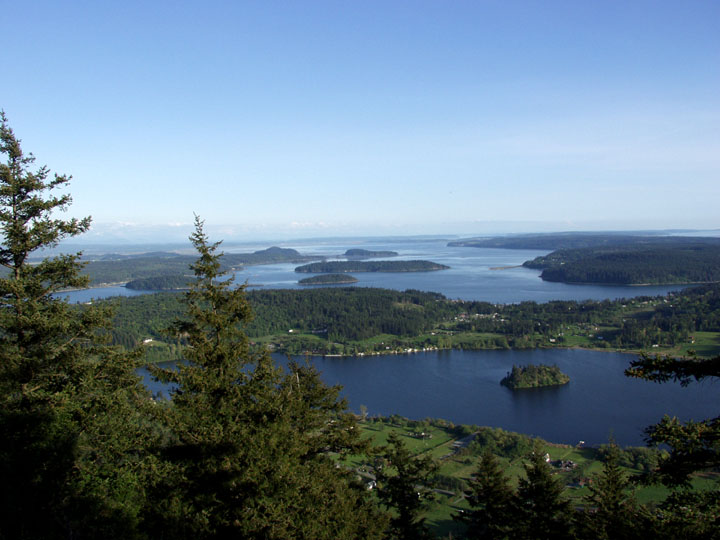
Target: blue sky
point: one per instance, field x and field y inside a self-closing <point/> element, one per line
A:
<point x="318" y="118"/>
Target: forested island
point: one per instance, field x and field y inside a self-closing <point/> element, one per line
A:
<point x="619" y="259"/>
<point x="329" y="279"/>
<point x="358" y="253"/>
<point x="534" y="376"/>
<point x="370" y="266"/>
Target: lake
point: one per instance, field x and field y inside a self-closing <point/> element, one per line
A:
<point x="474" y="274"/>
<point x="464" y="387"/>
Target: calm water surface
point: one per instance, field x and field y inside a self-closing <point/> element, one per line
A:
<point x="492" y="275"/>
<point x="463" y="386"/>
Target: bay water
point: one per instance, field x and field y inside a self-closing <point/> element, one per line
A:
<point x="487" y="274"/>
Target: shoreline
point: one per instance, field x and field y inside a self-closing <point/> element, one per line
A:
<point x="438" y="349"/>
<point x="95" y="286"/>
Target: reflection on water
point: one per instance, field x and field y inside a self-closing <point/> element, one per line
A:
<point x="529" y="400"/>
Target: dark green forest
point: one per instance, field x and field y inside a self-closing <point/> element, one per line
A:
<point x="160" y="283"/>
<point x="331" y="320"/>
<point x="685" y="261"/>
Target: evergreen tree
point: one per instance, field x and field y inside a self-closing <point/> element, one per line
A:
<point x="71" y="453"/>
<point x="542" y="511"/>
<point x="492" y="501"/>
<point x="249" y="449"/>
<point x="612" y="511"/>
<point x="689" y="514"/>
<point x="404" y="483"/>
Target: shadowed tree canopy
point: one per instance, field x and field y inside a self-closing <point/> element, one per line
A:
<point x="613" y="512"/>
<point x="492" y="501"/>
<point x="543" y="512"/>
<point x="70" y="407"/>
<point x="404" y="485"/>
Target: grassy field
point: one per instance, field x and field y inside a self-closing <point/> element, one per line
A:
<point x="706" y="344"/>
<point x="440" y="440"/>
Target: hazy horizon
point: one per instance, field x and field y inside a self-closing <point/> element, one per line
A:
<point x="155" y="240"/>
<point x="126" y="233"/>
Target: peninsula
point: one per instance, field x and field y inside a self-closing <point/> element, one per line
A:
<point x="618" y="259"/>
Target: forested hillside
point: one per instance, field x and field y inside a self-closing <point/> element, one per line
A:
<point x="337" y="320"/>
<point x="160" y="283"/>
<point x="334" y="314"/>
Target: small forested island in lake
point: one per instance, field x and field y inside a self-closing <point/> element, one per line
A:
<point x="532" y="376"/>
<point x="329" y="279"/>
<point x="368" y="254"/>
<point x="370" y="266"/>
